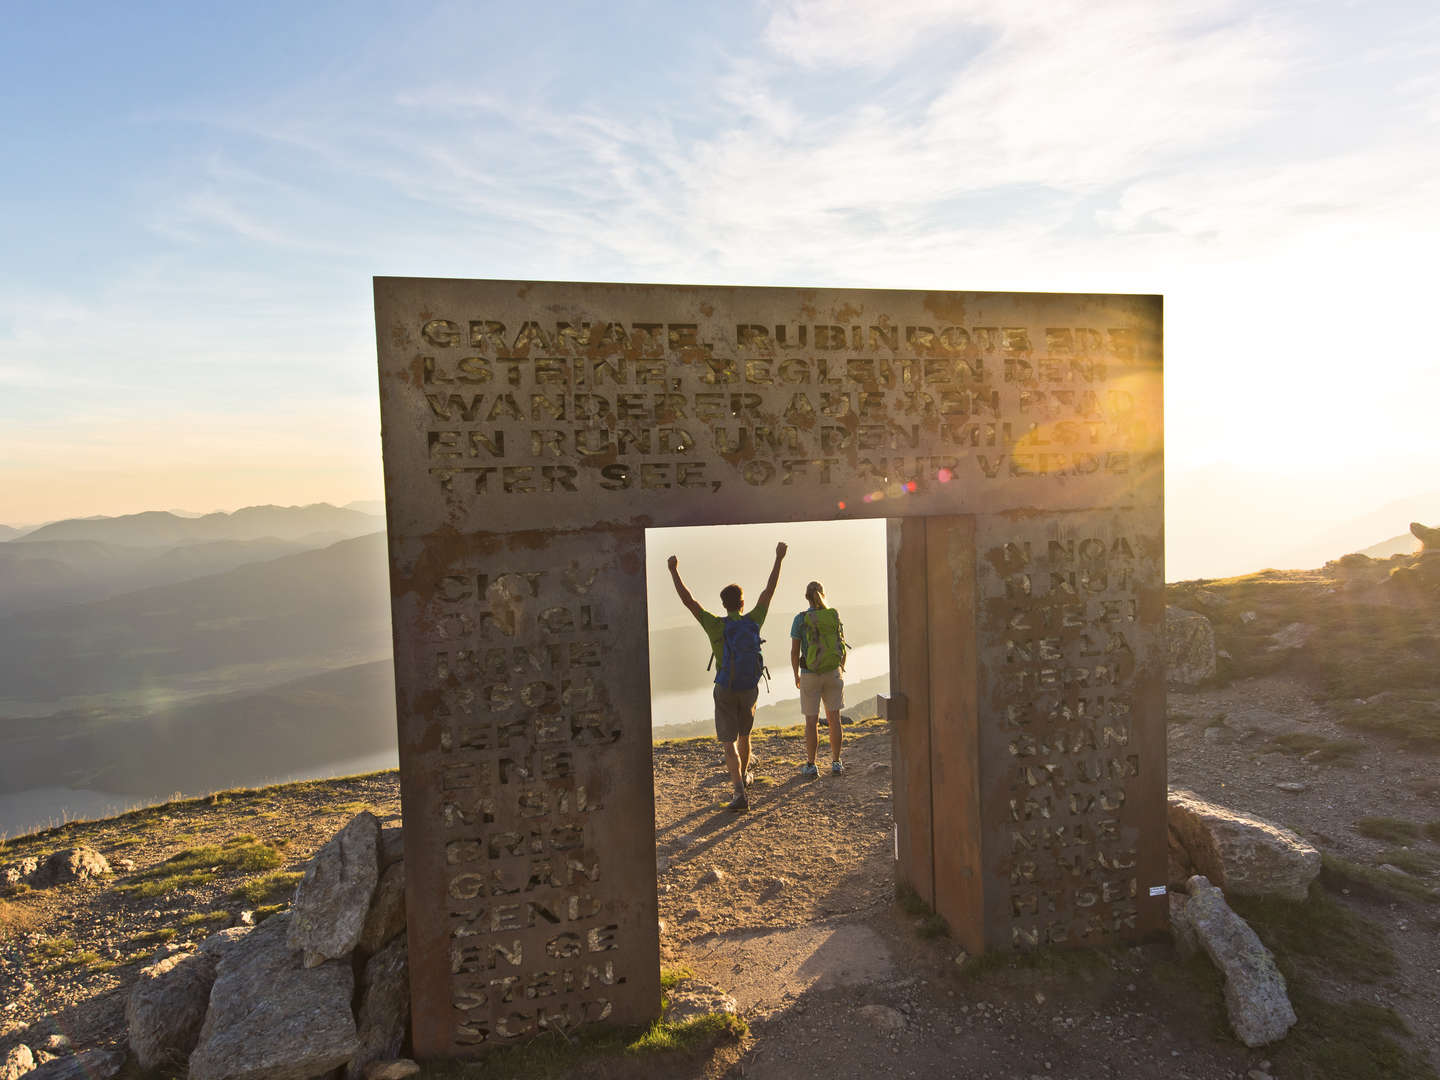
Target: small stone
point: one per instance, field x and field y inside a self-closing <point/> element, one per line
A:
<point x="883" y="1018"/>
<point x="57" y="1043"/>
<point x="245" y="918"/>
<point x="17" y="1062"/>
<point x="713" y="876"/>
<point x="961" y="959"/>
<point x="1257" y="1074"/>
<point x="1292" y="785"/>
<point x="1040" y="1000"/>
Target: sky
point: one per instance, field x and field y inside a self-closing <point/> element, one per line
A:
<point x="195" y="198"/>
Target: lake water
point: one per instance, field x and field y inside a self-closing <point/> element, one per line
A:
<point x="687" y="706"/>
<point x="42" y="808"/>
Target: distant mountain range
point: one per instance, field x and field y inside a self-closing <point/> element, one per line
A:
<point x="85" y="559"/>
<point x="254" y="625"/>
<point x="157" y="528"/>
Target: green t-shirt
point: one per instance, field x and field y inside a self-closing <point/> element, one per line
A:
<point x="714" y="627"/>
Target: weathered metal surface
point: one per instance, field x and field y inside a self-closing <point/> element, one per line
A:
<point x="523" y="405"/>
<point x="1071" y="691"/>
<point x="956" y="769"/>
<point x="909" y="706"/>
<point x="525" y="773"/>
<point x="533" y="430"/>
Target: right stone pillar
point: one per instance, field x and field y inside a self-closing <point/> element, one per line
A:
<point x="1028" y="712"/>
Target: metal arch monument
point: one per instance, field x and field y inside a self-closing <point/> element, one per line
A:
<point x="532" y="431"/>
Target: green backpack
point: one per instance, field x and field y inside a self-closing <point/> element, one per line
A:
<point x="825" y="645"/>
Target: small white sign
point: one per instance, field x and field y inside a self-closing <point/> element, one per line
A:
<point x="1157" y="890"/>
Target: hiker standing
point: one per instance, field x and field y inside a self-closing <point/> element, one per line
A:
<point x="735" y="645"/>
<point x="817" y="656"/>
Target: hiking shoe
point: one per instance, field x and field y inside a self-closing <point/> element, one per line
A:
<point x="808" y="771"/>
<point x="739" y="802"/>
<point x="749" y="778"/>
<point x="836" y="768"/>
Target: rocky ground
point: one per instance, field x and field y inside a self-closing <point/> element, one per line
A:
<point x="1324" y="716"/>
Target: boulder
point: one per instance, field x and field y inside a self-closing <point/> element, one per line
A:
<point x="273" y="1018"/>
<point x="333" y="898"/>
<point x="73" y="864"/>
<point x="386" y="917"/>
<point x="392" y="845"/>
<point x="90" y="1065"/>
<point x="1241" y="854"/>
<point x="223" y="942"/>
<point x="1189" y="647"/>
<point x="18" y="873"/>
<point x="1256" y="1001"/>
<point x="17" y="1062"/>
<point x="383" y="1017"/>
<point x="166" y="1008"/>
<point x="1186" y="943"/>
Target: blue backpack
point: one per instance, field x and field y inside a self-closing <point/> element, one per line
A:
<point x="741" y="662"/>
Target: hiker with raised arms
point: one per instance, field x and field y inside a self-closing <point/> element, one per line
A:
<point x="817" y="657"/>
<point x="735" y="651"/>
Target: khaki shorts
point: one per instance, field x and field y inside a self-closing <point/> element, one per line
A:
<point x="734" y="712"/>
<point x="827" y="687"/>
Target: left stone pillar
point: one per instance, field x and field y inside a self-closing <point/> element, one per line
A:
<point x="526" y="783"/>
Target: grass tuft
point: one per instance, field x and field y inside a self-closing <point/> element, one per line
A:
<point x="199" y="866"/>
<point x="269" y="889"/>
<point x="662" y="1048"/>
<point x="1339" y="873"/>
<point x="1319" y="933"/>
<point x="1391" y="830"/>
<point x="1317" y="747"/>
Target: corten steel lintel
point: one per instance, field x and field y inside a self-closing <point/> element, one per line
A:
<point x="533" y="430"/>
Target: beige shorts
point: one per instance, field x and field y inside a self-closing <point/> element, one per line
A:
<point x="817" y="688"/>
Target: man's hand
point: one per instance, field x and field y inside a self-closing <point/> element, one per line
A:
<point x="797" y="682"/>
<point x="672" y="563"/>
<point x="780" y="550"/>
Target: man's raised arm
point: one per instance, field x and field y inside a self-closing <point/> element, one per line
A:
<point x="680" y="589"/>
<point x="769" y="593"/>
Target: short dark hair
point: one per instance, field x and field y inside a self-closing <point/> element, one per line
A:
<point x="732" y="597"/>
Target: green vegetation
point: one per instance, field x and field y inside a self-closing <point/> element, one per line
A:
<point x="151" y="937"/>
<point x="202" y="918"/>
<point x="1319" y="934"/>
<point x="1413" y="717"/>
<point x="1378" y="662"/>
<point x="1418" y="863"/>
<point x="264" y="911"/>
<point x="1338" y="873"/>
<point x="664" y="1048"/>
<point x="1317" y="747"/>
<point x="17" y="919"/>
<point x="269" y="889"/>
<point x="200" y="866"/>
<point x="1345" y="1041"/>
<point x="54" y="947"/>
<point x="1316" y="942"/>
<point x="1391" y="830"/>
<point x="929" y="924"/>
<point x="1050" y="962"/>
